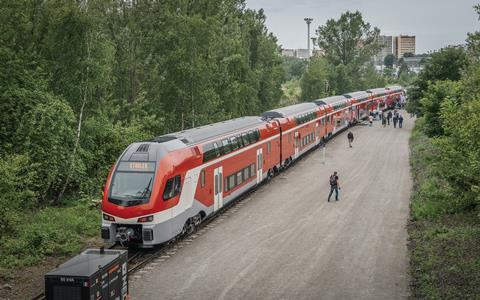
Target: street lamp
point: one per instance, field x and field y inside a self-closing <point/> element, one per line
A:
<point x="308" y="20"/>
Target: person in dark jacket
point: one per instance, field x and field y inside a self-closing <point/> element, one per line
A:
<point x="400" y="120"/>
<point x="334" y="186"/>
<point x="350" y="138"/>
<point x="389" y="117"/>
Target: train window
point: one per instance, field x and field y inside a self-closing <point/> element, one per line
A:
<point x="252" y="170"/>
<point x="239" y="179"/>
<point x="217" y="151"/>
<point x="257" y="134"/>
<point x="208" y="152"/>
<point x="216" y="184"/>
<point x="245" y="173"/>
<point x="269" y="148"/>
<point x="239" y="141"/>
<point x="252" y="136"/>
<point x="245" y="139"/>
<point x="231" y="182"/>
<point x="172" y="187"/>
<point x="202" y="178"/>
<point x="226" y="146"/>
<point x="225" y="186"/>
<point x="233" y="143"/>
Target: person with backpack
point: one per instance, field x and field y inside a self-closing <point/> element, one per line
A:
<point x="400" y="120"/>
<point x="334" y="186"/>
<point x="350" y="138"/>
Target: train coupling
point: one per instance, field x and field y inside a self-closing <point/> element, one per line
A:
<point x="125" y="234"/>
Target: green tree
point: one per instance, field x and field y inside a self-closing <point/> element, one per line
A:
<point x="294" y="67"/>
<point x="389" y="60"/>
<point x="348" y="40"/>
<point x="315" y="82"/>
<point x="431" y="102"/>
<point x="446" y="64"/>
<point x="48" y="137"/>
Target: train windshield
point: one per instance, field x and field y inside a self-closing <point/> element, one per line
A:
<point x="133" y="181"/>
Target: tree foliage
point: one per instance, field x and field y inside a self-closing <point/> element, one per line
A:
<point x="446" y="64"/>
<point x="348" y="40"/>
<point x="80" y="80"/>
<point x="349" y="44"/>
<point x="389" y="60"/>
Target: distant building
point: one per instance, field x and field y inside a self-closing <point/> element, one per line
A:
<point x="288" y="52"/>
<point x="386" y="42"/>
<point x="404" y="44"/>
<point x="298" y="53"/>
<point x="302" y="53"/>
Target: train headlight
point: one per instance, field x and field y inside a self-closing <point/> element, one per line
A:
<point x="108" y="218"/>
<point x="145" y="219"/>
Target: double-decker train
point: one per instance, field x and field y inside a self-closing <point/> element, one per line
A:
<point x="167" y="186"/>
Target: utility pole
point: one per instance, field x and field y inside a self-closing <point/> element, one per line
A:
<point x="309" y="21"/>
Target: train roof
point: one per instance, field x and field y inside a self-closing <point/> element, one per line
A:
<point x="331" y="100"/>
<point x="378" y="91"/>
<point x="199" y="134"/>
<point x="394" y="88"/>
<point x="289" y="111"/>
<point x="359" y="95"/>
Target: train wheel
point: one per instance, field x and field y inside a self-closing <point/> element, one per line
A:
<point x="189" y="227"/>
<point x="197" y="220"/>
<point x="270" y="174"/>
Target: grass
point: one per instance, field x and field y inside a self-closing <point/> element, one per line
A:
<point x="444" y="248"/>
<point x="52" y="231"/>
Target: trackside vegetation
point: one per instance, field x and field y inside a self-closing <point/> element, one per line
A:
<point x="80" y="80"/>
<point x="444" y="229"/>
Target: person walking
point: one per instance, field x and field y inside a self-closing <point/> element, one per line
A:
<point x="400" y="120"/>
<point x="389" y="117"/>
<point x="395" y="121"/>
<point x="370" y="120"/>
<point x="384" y="121"/>
<point x="350" y="138"/>
<point x="334" y="186"/>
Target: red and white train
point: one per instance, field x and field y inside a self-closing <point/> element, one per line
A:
<point x="161" y="188"/>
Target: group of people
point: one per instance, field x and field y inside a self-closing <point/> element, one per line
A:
<point x="395" y="117"/>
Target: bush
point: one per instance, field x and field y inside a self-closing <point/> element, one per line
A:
<point x="15" y="174"/>
<point x="48" y="138"/>
<point x="51" y="231"/>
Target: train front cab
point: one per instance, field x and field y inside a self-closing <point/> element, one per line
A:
<point x="147" y="198"/>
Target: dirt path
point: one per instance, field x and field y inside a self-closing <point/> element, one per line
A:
<point x="286" y="242"/>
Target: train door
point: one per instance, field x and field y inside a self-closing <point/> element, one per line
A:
<point x="217" y="190"/>
<point x="259" y="165"/>
<point x="296" y="143"/>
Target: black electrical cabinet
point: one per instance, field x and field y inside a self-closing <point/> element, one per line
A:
<point x="94" y="274"/>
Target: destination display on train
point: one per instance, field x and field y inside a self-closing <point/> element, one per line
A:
<point x="136" y="166"/>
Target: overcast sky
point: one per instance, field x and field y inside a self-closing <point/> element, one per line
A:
<point x="435" y="23"/>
